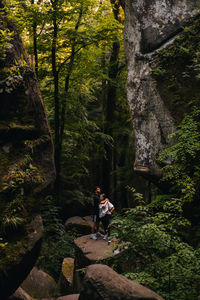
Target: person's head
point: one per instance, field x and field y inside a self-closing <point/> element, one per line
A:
<point x="97" y="190"/>
<point x="102" y="197"/>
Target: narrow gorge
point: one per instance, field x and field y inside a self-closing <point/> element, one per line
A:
<point x="99" y="95"/>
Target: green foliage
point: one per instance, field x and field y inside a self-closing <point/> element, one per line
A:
<point x="157" y="204"/>
<point x="2" y="244"/>
<point x="176" y="70"/>
<point x="22" y="175"/>
<point x="164" y="262"/>
<point x="155" y="236"/>
<point x="158" y="71"/>
<point x="5" y="38"/>
<point x="13" y="76"/>
<point x="16" y="185"/>
<point x="85" y="36"/>
<point x="57" y="243"/>
<point x="13" y="216"/>
<point x="137" y="197"/>
<point x="24" y="12"/>
<point x="184" y="171"/>
<point x="11" y="222"/>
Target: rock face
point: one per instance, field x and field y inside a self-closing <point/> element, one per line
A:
<point x="68" y="297"/>
<point x="66" y="277"/>
<point x="26" y="161"/>
<point x="89" y="252"/>
<point x="102" y="283"/>
<point x="39" y="284"/>
<point x="150" y="27"/>
<point x="81" y="224"/>
<point x="20" y="294"/>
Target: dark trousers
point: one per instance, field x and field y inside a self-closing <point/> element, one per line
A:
<point x="106" y="221"/>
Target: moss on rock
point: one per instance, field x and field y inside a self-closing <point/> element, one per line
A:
<point x="26" y="172"/>
<point x="176" y="70"/>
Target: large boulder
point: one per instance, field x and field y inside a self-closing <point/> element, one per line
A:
<point x="39" y="284"/>
<point x="66" y="276"/>
<point x="161" y="20"/>
<point x="26" y="160"/>
<point x="87" y="252"/>
<point x="82" y="225"/>
<point x="159" y="61"/>
<point x="20" y="294"/>
<point x="102" y="283"/>
<point x="68" y="297"/>
<point x="20" y="263"/>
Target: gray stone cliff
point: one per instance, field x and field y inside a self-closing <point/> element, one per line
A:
<point x="150" y="27"/>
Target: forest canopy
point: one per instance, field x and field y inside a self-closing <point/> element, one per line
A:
<point x="76" y="49"/>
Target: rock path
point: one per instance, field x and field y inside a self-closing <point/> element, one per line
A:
<point x="94" y="250"/>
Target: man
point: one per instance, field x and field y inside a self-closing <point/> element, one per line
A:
<point x="95" y="225"/>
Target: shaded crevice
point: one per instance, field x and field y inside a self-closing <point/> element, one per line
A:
<point x="20" y="134"/>
<point x="147" y="47"/>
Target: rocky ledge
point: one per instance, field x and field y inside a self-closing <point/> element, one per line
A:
<point x="102" y="283"/>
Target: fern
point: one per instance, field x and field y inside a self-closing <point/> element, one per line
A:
<point x="11" y="223"/>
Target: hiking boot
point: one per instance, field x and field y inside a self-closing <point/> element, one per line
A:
<point x="108" y="240"/>
<point x="99" y="234"/>
<point x="105" y="237"/>
<point x="116" y="251"/>
<point x="93" y="236"/>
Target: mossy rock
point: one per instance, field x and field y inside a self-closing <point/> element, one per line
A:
<point x="19" y="255"/>
<point x="66" y="277"/>
<point x="39" y="284"/>
<point x="27" y="170"/>
<point x="176" y="70"/>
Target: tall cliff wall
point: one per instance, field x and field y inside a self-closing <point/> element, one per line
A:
<point x="159" y="56"/>
<point x="26" y="161"/>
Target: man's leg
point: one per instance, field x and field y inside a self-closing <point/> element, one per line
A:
<point x="93" y="236"/>
<point x="97" y="226"/>
<point x="93" y="228"/>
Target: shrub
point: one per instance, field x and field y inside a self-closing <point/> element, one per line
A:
<point x="164" y="263"/>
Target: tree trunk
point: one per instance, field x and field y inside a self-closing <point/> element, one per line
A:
<point x="67" y="79"/>
<point x="109" y="108"/>
<point x="35" y="50"/>
<point x="56" y="100"/>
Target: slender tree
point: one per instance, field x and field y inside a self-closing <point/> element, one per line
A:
<point x="56" y="93"/>
<point x="109" y="163"/>
<point x="71" y="58"/>
<point x="35" y="49"/>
